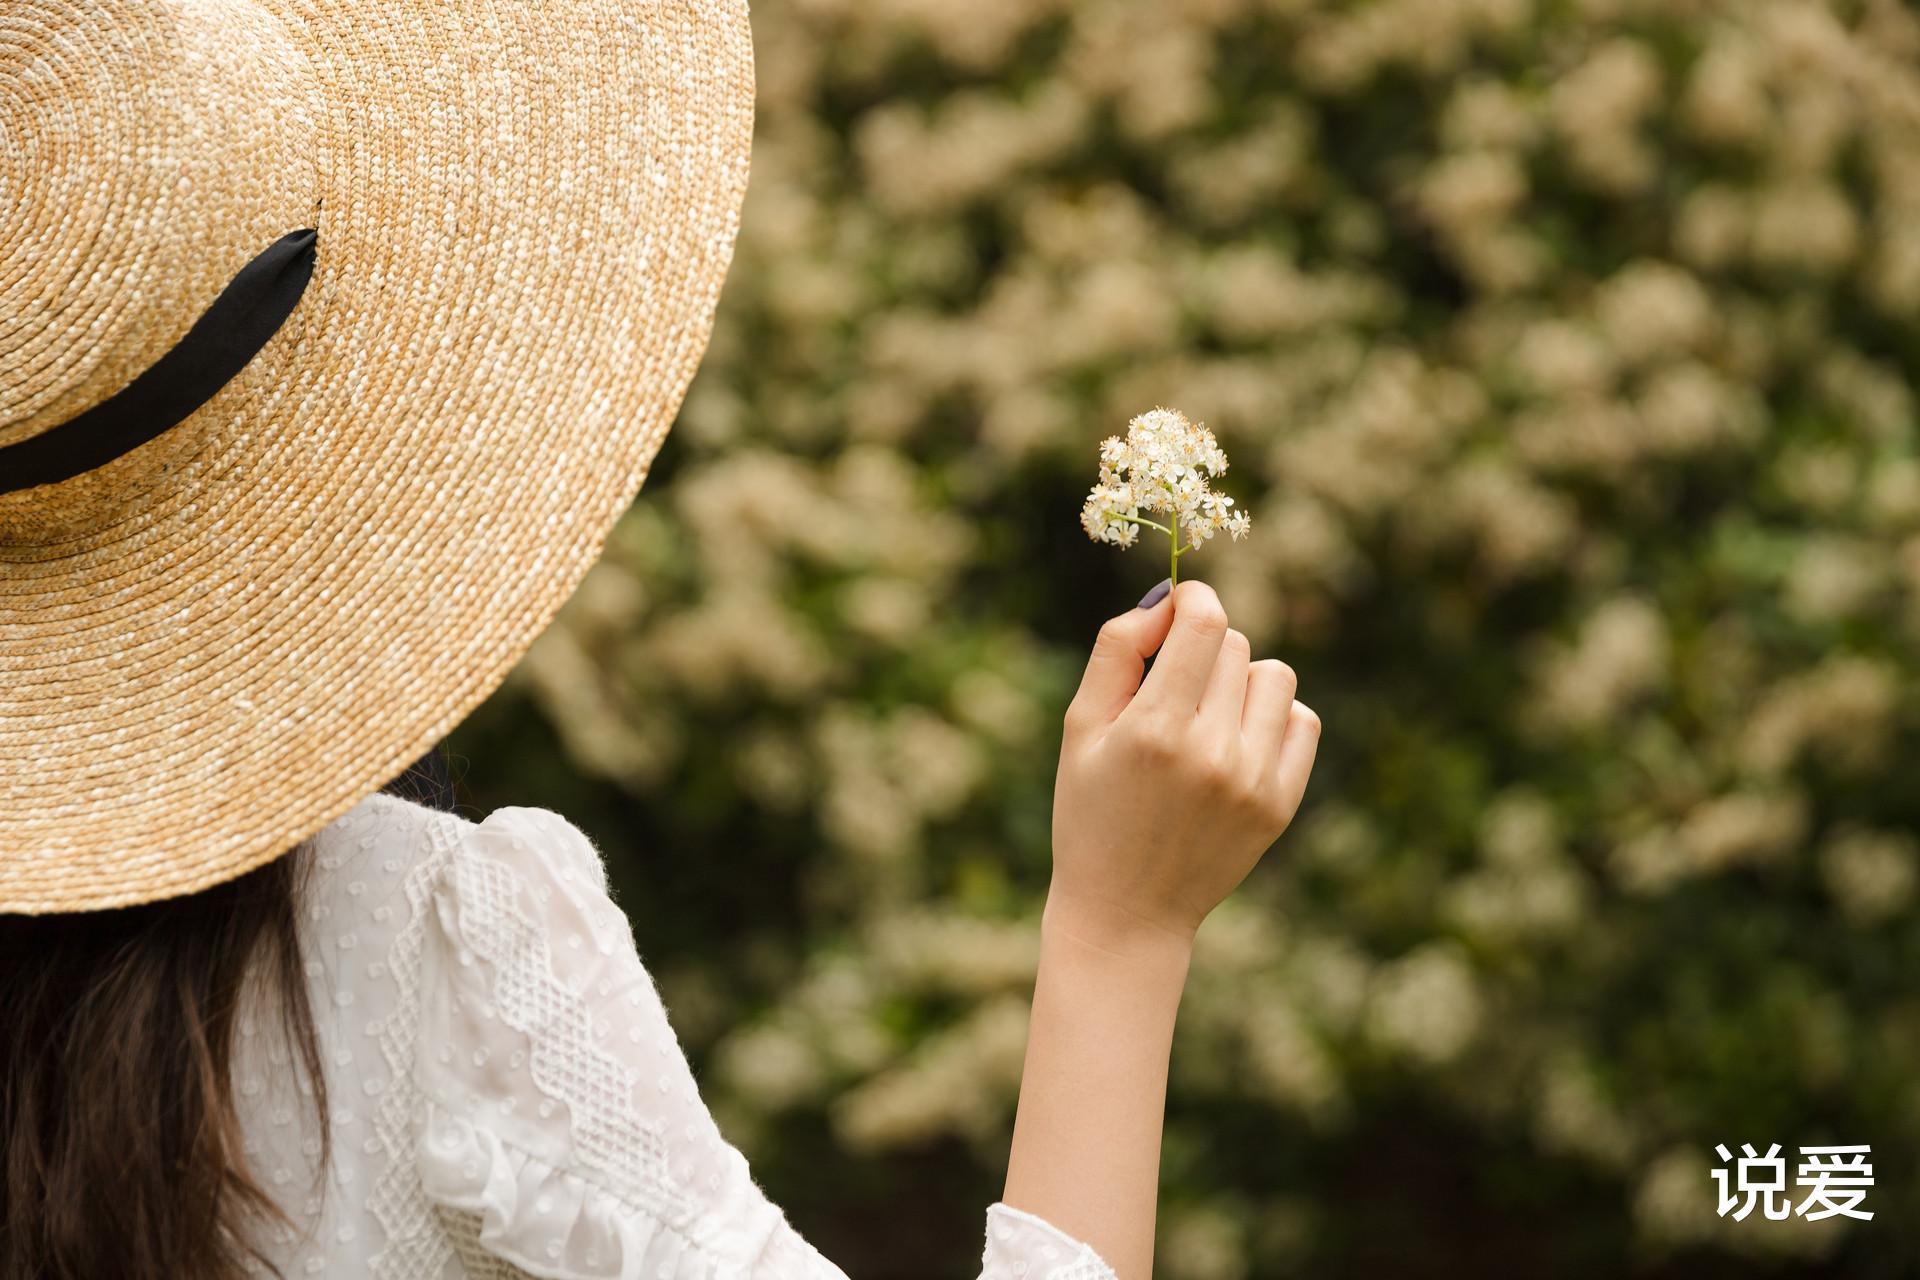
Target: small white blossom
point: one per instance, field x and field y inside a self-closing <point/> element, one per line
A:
<point x="1161" y="468"/>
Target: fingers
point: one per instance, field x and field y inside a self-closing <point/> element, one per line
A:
<point x="1271" y="685"/>
<point x="1185" y="665"/>
<point x="1297" y="749"/>
<point x="1226" y="692"/>
<point x="1120" y="655"/>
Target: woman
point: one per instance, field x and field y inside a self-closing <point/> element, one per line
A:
<point x="333" y="339"/>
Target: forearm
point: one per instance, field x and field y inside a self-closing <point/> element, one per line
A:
<point x="1086" y="1138"/>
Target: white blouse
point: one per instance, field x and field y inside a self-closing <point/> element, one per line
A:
<point x="507" y="1097"/>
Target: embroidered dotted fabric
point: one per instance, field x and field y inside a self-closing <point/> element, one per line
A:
<point x="414" y="1245"/>
<point x="507" y="1095"/>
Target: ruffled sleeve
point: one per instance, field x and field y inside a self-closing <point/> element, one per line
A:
<point x="1021" y="1246"/>
<point x="561" y="1123"/>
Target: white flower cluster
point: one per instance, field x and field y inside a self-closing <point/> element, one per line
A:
<point x="1162" y="467"/>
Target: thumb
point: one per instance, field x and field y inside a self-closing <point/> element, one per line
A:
<point x="1120" y="654"/>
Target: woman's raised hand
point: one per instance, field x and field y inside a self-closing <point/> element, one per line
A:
<point x="1171" y="788"/>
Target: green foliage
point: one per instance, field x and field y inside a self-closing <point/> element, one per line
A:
<point x="1564" y="355"/>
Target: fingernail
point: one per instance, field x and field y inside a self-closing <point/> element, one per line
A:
<point x="1156" y="595"/>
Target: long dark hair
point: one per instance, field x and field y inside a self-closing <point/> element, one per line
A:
<point x="120" y="1148"/>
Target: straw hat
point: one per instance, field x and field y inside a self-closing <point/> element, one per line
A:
<point x="464" y="255"/>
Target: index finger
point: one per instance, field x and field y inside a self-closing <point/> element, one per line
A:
<point x="1186" y="660"/>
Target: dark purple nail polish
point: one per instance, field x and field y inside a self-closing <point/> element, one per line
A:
<point x="1156" y="595"/>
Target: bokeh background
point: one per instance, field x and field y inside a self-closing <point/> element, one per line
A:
<point x="1564" y="351"/>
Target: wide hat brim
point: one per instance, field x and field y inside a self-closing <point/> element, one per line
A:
<point x="525" y="213"/>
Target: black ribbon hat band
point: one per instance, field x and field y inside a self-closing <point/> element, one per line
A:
<point x="248" y="312"/>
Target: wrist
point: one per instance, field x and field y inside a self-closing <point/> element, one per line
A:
<point x="1125" y="937"/>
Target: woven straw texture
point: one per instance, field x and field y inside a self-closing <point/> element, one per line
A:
<point x="215" y="645"/>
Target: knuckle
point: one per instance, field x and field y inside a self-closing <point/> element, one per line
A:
<point x="1236" y="642"/>
<point x="1210" y="622"/>
<point x="1308" y="717"/>
<point x="1278" y="670"/>
<point x="1213" y="766"/>
<point x="1135" y="733"/>
<point x="1212" y="627"/>
<point x="1201" y="608"/>
<point x="1159" y="757"/>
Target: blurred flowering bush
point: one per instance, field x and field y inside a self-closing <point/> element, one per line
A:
<point x="1565" y="353"/>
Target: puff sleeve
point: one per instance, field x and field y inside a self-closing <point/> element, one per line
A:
<point x="560" y="1116"/>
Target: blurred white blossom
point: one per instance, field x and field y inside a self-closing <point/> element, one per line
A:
<point x="1566" y="350"/>
<point x="1426" y="1004"/>
<point x="1871" y="874"/>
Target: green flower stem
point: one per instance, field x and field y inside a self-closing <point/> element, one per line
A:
<point x="1173" y="540"/>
